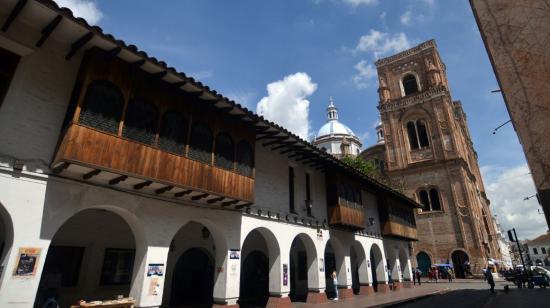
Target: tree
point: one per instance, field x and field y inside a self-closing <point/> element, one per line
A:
<point x="369" y="169"/>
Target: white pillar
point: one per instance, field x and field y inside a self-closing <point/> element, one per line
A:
<point x="148" y="290"/>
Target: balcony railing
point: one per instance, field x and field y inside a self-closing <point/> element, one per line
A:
<point x="347" y="217"/>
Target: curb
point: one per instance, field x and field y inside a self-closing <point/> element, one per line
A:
<point x="411" y="299"/>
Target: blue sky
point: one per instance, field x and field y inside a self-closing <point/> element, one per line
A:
<point x="308" y="50"/>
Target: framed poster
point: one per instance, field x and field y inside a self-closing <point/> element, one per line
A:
<point x="234" y="254"/>
<point x="156" y="269"/>
<point x="27" y="261"/>
<point x="285" y="274"/>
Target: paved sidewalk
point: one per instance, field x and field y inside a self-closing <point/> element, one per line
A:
<point x="380" y="299"/>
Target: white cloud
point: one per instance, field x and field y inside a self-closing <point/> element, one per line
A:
<point x="365" y="73"/>
<point x="356" y="3"/>
<point x="507" y="188"/>
<point x="286" y="103"/>
<point x="83" y="8"/>
<point x="406" y="18"/>
<point x="382" y="43"/>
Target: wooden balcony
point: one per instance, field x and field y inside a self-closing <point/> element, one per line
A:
<point x="99" y="153"/>
<point x="347" y="217"/>
<point x="393" y="228"/>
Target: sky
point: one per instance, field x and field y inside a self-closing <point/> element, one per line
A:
<point x="283" y="59"/>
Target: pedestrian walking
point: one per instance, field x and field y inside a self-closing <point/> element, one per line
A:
<point x="490" y="280"/>
<point x="335" y="284"/>
<point x="436" y="274"/>
<point x="450" y="274"/>
<point x="418" y="274"/>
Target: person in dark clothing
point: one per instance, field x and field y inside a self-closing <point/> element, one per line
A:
<point x="417" y="274"/>
<point x="490" y="280"/>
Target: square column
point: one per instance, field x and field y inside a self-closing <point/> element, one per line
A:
<point x="147" y="288"/>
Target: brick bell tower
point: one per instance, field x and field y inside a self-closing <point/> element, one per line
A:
<point x="428" y="146"/>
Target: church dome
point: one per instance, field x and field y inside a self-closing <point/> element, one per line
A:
<point x="334" y="127"/>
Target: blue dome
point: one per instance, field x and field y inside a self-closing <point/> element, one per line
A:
<point x="334" y="127"/>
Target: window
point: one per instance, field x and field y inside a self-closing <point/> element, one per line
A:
<point x="245" y="158"/>
<point x="535" y="251"/>
<point x="430" y="200"/>
<point x="117" y="266"/>
<point x="102" y="106"/>
<point x="141" y="121"/>
<point x="410" y="85"/>
<point x="418" y="134"/>
<point x="224" y="151"/>
<point x="8" y="63"/>
<point x="291" y="189"/>
<point x="63" y="262"/>
<point x="543" y="250"/>
<point x="200" y="145"/>
<point x="173" y="132"/>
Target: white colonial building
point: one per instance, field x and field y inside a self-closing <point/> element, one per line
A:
<point x="121" y="176"/>
<point x="539" y="250"/>
<point x="335" y="137"/>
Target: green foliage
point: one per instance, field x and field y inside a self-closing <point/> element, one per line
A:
<point x="370" y="169"/>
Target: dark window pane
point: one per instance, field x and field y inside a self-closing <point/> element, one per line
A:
<point x="140" y="123"/>
<point x="422" y="134"/>
<point x="424" y="200"/>
<point x="62" y="263"/>
<point x="200" y="145"/>
<point x="434" y="199"/>
<point x="8" y="63"/>
<point x="117" y="266"/>
<point x="173" y="132"/>
<point x="409" y="84"/>
<point x="102" y="106"/>
<point x="245" y="158"/>
<point x="225" y="151"/>
<point x="411" y="132"/>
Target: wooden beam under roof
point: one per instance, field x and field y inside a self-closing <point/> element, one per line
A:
<point x="271" y="136"/>
<point x="214" y="200"/>
<point x="142" y="184"/>
<point x="201" y="196"/>
<point x="183" y="193"/>
<point x="284" y="145"/>
<point x="227" y="203"/>
<point x="91" y="174"/>
<point x="110" y="54"/>
<point x="159" y="75"/>
<point x="276" y="141"/>
<point x="138" y="63"/>
<point x="118" y="179"/>
<point x="164" y="189"/>
<point x="13" y="14"/>
<point x="48" y="29"/>
<point x="75" y="47"/>
<point x="179" y="84"/>
<point x="240" y="206"/>
<point x="61" y="167"/>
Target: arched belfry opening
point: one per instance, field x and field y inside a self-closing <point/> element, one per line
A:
<point x="410" y="84"/>
<point x="91" y="257"/>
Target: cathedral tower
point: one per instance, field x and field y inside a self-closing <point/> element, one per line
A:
<point x="427" y="144"/>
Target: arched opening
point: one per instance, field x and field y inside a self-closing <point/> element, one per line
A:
<point x="91" y="257"/>
<point x="378" y="271"/>
<point x="193" y="279"/>
<point x="330" y="267"/>
<point x="424" y="262"/>
<point x="6" y="238"/>
<point x="191" y="262"/>
<point x="413" y="137"/>
<point x="224" y="151"/>
<point x="259" y="254"/>
<point x="299" y="267"/>
<point x="434" y="200"/>
<point x="422" y="133"/>
<point x="359" y="267"/>
<point x="410" y="84"/>
<point x="200" y="145"/>
<point x="461" y="263"/>
<point x="102" y="107"/>
<point x="140" y="123"/>
<point x="173" y="132"/>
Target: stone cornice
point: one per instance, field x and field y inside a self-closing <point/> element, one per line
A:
<point x="406" y="53"/>
<point x="413" y="100"/>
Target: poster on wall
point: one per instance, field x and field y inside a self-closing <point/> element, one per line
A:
<point x="154" y="286"/>
<point x="234" y="254"/>
<point x="155" y="269"/>
<point x="285" y="274"/>
<point x="321" y="265"/>
<point x="27" y="262"/>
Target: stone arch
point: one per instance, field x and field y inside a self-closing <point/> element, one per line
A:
<point x="334" y="254"/>
<point x="359" y="266"/>
<point x="417" y="78"/>
<point x="424" y="261"/>
<point x="377" y="265"/>
<point x="203" y="242"/>
<point x="461" y="262"/>
<point x="262" y="258"/>
<point x="302" y="243"/>
<point x="101" y="243"/>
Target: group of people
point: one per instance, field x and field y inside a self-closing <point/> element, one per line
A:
<point x="434" y="274"/>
